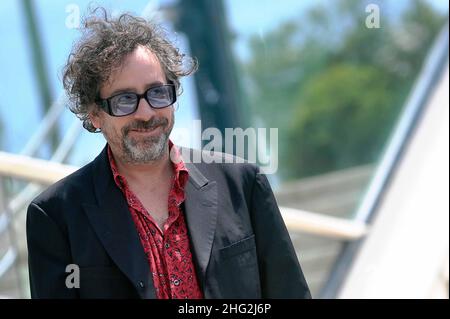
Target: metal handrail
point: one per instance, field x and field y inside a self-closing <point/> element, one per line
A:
<point x="32" y="169"/>
<point x="47" y="172"/>
<point x="33" y="144"/>
<point x="323" y="225"/>
<point x="7" y="260"/>
<point x="45" y="127"/>
<point x="24" y="197"/>
<point x="61" y="153"/>
<point x="11" y="257"/>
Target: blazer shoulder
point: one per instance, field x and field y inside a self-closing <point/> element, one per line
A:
<point x="216" y="160"/>
<point x="221" y="166"/>
<point x="66" y="187"/>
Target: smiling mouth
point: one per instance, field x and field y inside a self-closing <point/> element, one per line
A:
<point x="146" y="130"/>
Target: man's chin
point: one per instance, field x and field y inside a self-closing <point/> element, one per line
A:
<point x="145" y="151"/>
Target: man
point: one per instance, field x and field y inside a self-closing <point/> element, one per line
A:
<point x="141" y="221"/>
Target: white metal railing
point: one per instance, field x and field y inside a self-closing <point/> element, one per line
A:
<point x="323" y="225"/>
<point x="7" y="260"/>
<point x="47" y="172"/>
<point x="31" y="190"/>
<point x="46" y="125"/>
<point x="32" y="169"/>
<point x="21" y="166"/>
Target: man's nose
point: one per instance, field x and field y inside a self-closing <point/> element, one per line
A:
<point x="144" y="111"/>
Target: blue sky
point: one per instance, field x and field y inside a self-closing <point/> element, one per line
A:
<point x="19" y="108"/>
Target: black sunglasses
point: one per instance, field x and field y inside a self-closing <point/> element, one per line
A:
<point x="123" y="104"/>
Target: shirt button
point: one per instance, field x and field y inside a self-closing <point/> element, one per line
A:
<point x="167" y="245"/>
<point x="176" y="282"/>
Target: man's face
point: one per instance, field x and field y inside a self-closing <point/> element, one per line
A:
<point x="141" y="137"/>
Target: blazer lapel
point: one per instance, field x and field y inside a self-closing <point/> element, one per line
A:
<point x="201" y="215"/>
<point x="115" y="228"/>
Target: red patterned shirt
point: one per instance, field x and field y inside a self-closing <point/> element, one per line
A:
<point x="168" y="252"/>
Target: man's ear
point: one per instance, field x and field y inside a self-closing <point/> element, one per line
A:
<point x="94" y="116"/>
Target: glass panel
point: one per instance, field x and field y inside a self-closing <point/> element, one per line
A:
<point x="332" y="85"/>
<point x="333" y="78"/>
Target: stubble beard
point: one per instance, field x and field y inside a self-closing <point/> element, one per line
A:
<point x="146" y="149"/>
<point x="150" y="148"/>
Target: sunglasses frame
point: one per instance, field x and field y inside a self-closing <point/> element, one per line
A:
<point x="105" y="104"/>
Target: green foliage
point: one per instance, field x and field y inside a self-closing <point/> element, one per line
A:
<point x="341" y="120"/>
<point x="335" y="88"/>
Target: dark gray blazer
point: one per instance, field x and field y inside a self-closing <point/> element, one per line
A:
<point x="240" y="245"/>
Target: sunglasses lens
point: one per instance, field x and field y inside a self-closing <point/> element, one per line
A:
<point x="123" y="104"/>
<point x="127" y="103"/>
<point x="161" y="96"/>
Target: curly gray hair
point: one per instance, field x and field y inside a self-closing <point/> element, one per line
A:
<point x="104" y="44"/>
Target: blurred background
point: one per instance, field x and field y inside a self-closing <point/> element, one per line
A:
<point x="358" y="91"/>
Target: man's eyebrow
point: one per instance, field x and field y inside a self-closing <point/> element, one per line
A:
<point x="129" y="90"/>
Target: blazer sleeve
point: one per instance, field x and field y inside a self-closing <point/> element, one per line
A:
<point x="280" y="271"/>
<point x="48" y="256"/>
